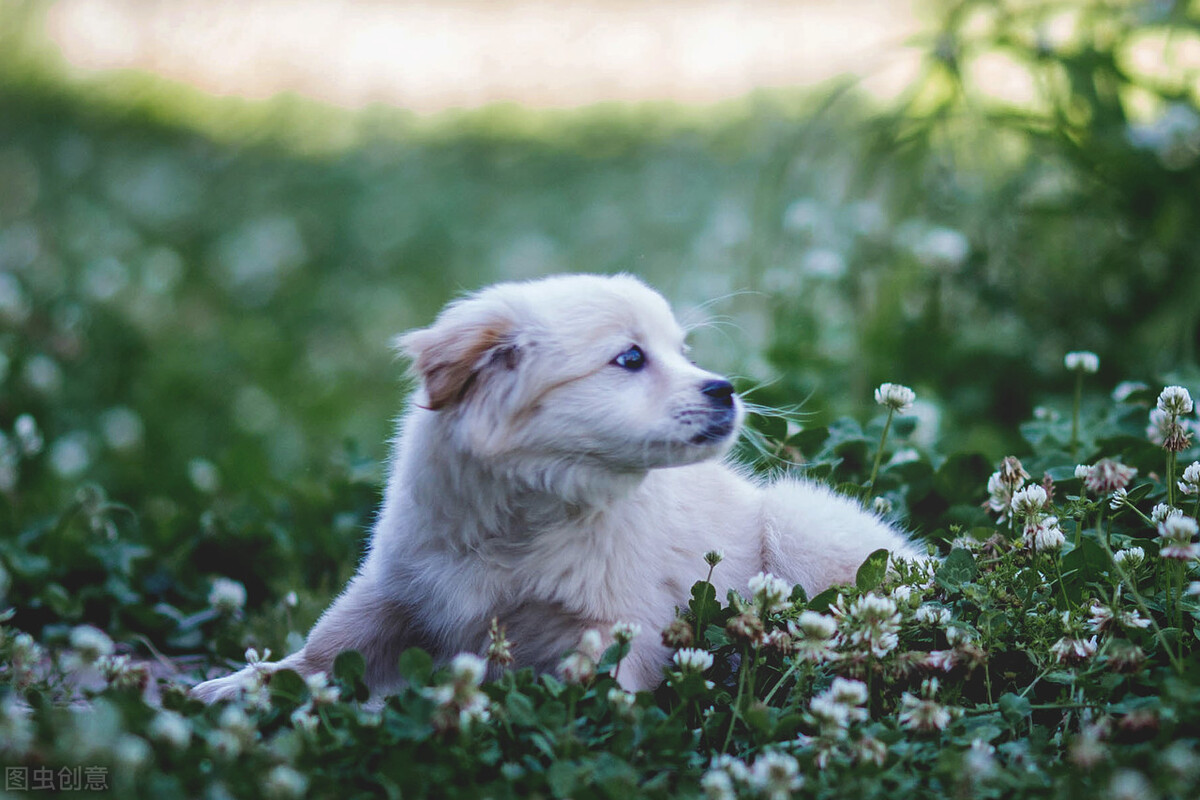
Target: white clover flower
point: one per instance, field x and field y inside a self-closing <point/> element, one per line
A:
<point x="170" y="728"/>
<point x="223" y="744"/>
<point x="577" y="668"/>
<point x="1073" y="650"/>
<point x="1046" y="535"/>
<point x="1108" y="476"/>
<point x="318" y="687"/>
<point x="28" y="436"/>
<point x="1175" y="401"/>
<point x="1082" y="360"/>
<point x="934" y="615"/>
<point x="1118" y="499"/>
<point x="1161" y="426"/>
<point x="904" y="596"/>
<point x="882" y="506"/>
<point x="942" y="248"/>
<point x="979" y="761"/>
<point x="776" y="775"/>
<point x="832" y="717"/>
<point x="204" y="475"/>
<point x="43" y="375"/>
<point x="90" y="643"/>
<point x="1029" y="501"/>
<point x="131" y="752"/>
<point x="468" y="669"/>
<point x="475" y="707"/>
<point x="1131" y="557"/>
<point x="848" y="692"/>
<point x="714" y="557"/>
<point x="770" y="592"/>
<point x="1162" y="511"/>
<point x="122" y="428"/>
<point x="620" y="699"/>
<point x="591" y="645"/>
<point x="895" y="397"/>
<point x="868" y="749"/>
<point x="1176" y="534"/>
<point x="812" y="636"/>
<point x="943" y="660"/>
<point x="70" y="455"/>
<point x="956" y="635"/>
<point x="731" y="765"/>
<point x="872" y="622"/>
<point x="717" y="785"/>
<point x="227" y="596"/>
<point x="1000" y="494"/>
<point x="625" y="632"/>
<point x="283" y="783"/>
<point x="923" y="714"/>
<point x="25" y="651"/>
<point x="303" y="719"/>
<point x="693" y="661"/>
<point x="1190" y="483"/>
<point x="1129" y="784"/>
<point x="1082" y="471"/>
<point x="17" y="732"/>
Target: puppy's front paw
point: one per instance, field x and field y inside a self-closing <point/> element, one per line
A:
<point x="227" y="688"/>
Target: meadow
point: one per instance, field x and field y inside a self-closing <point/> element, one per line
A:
<point x="197" y="297"/>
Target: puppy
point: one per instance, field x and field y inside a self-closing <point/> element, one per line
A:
<point x="560" y="468"/>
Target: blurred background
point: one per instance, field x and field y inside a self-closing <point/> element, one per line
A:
<point x="214" y="216"/>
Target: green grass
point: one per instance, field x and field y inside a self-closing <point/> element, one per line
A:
<point x="196" y="301"/>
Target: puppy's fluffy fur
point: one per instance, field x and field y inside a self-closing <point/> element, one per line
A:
<point x="546" y="476"/>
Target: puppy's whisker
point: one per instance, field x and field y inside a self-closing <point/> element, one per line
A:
<point x="720" y="299"/>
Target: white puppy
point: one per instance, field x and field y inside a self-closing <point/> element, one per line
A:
<point x="560" y="469"/>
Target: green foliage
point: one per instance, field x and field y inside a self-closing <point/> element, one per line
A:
<point x="195" y="386"/>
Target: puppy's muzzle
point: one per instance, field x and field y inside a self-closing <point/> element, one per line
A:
<point x="723" y="416"/>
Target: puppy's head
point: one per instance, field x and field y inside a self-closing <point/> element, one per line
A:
<point x="576" y="369"/>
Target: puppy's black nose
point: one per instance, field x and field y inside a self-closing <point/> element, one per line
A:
<point x="720" y="392"/>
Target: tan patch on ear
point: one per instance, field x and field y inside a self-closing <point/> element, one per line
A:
<point x="447" y="356"/>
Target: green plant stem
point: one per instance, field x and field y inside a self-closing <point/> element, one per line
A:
<point x="887" y="426"/>
<point x="1075" y="414"/>
<point x="1141" y="604"/>
<point x="1138" y="511"/>
<point x="1171" y="477"/>
<point x="790" y="671"/>
<point x="737" y="703"/>
<point x="1059" y="580"/>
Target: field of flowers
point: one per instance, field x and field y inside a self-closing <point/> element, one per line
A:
<point x="196" y="301"/>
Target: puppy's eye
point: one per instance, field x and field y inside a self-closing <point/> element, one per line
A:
<point x="632" y="359"/>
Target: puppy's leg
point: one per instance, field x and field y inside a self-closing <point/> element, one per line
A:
<point x="361" y="619"/>
<point x="817" y="538"/>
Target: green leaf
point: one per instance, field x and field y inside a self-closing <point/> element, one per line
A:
<point x="416" y="666"/>
<point x="563" y="777"/>
<point x="872" y="571"/>
<point x="520" y="710"/>
<point x="798" y="597"/>
<point x="958" y="569"/>
<point x="704" y="603"/>
<point x="824" y="600"/>
<point x="286" y="684"/>
<point x="349" y="668"/>
<point x="1015" y="709"/>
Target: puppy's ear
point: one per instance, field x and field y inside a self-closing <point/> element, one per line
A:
<point x="449" y="355"/>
